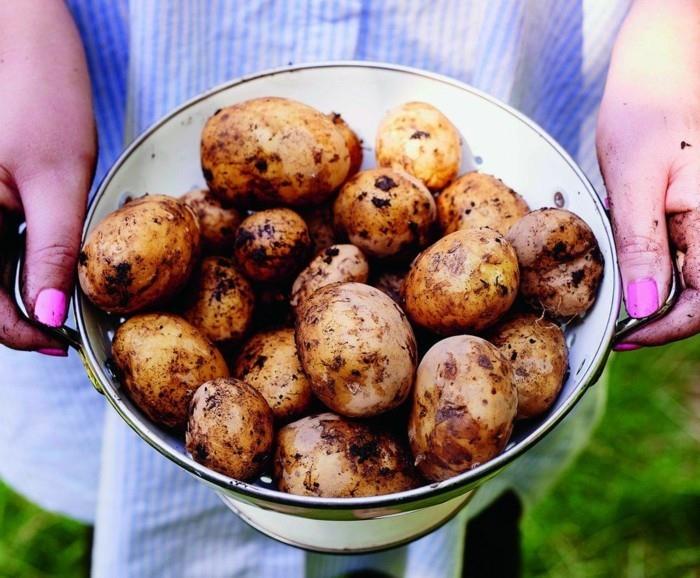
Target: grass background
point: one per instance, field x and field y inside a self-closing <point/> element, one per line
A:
<point x="629" y="507"/>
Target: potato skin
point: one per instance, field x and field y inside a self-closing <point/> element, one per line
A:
<point x="537" y="351"/>
<point x="479" y="200"/>
<point x="418" y="138"/>
<point x="273" y="151"/>
<point x="337" y="264"/>
<point x="330" y="456"/>
<point x="385" y="213"/>
<point x="352" y="141"/>
<point x="464" y="404"/>
<point x="560" y="262"/>
<point x="272" y="245"/>
<point x="462" y="283"/>
<point x="357" y="349"/>
<point x="140" y="255"/>
<point x="162" y="359"/>
<point x="217" y="224"/>
<point x="230" y="428"/>
<point x="269" y="363"/>
<point x="220" y="301"/>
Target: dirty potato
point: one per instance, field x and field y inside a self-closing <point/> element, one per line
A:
<point x="352" y="141"/>
<point x="463" y="409"/>
<point x="328" y="456"/>
<point x="217" y="223"/>
<point x="319" y="221"/>
<point x="390" y="282"/>
<point x="140" y="255"/>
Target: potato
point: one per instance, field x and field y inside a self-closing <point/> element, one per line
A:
<point x="161" y="360"/>
<point x="337" y="264"/>
<point x="272" y="245"/>
<point x="560" y="263"/>
<point x="537" y="351"/>
<point x="319" y="221"/>
<point x="357" y="349"/>
<point x="352" y="141"/>
<point x="139" y="255"/>
<point x="418" y="138"/>
<point x="390" y="282"/>
<point x="269" y="362"/>
<point x="217" y="224"/>
<point x="329" y="456"/>
<point x="220" y="301"/>
<point x="385" y="213"/>
<point x="463" y="409"/>
<point x="462" y="283"/>
<point x="273" y="151"/>
<point x="230" y="428"/>
<point x="479" y="200"/>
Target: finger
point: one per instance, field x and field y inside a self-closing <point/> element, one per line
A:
<point x="17" y="333"/>
<point x="683" y="192"/>
<point x="9" y="199"/>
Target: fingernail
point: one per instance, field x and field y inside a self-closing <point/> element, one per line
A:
<point x="626" y="347"/>
<point x="53" y="352"/>
<point x="642" y="298"/>
<point x="51" y="307"/>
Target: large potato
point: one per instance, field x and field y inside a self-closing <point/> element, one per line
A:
<point x="352" y="141"/>
<point x="269" y="362"/>
<point x="230" y="428"/>
<point x="560" y="263"/>
<point x="162" y="360"/>
<point x="479" y="200"/>
<point x="385" y="213"/>
<point x="464" y="404"/>
<point x="537" y="351"/>
<point x="218" y="224"/>
<point x="357" y="349"/>
<point x="273" y="151"/>
<point x="329" y="456"/>
<point x="418" y="138"/>
<point x="462" y="283"/>
<point x="139" y="255"/>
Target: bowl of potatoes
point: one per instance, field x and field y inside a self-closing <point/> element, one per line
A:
<point x="345" y="295"/>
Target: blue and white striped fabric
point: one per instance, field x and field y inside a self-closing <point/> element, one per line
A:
<point x="58" y="445"/>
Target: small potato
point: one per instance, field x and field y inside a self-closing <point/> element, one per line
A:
<point x="218" y="224"/>
<point x="140" y="255"/>
<point x="269" y="362"/>
<point x="329" y="456"/>
<point x="272" y="245"/>
<point x="357" y="349"/>
<point x="162" y="360"/>
<point x="352" y="141"/>
<point x="418" y="138"/>
<point x="464" y="404"/>
<point x="273" y="151"/>
<point x="319" y="220"/>
<point x="230" y="428"/>
<point x="220" y="301"/>
<point x="537" y="351"/>
<point x="463" y="283"/>
<point x="337" y="264"/>
<point x="390" y="282"/>
<point x="385" y="213"/>
<point x="560" y="263"/>
<point x="479" y="200"/>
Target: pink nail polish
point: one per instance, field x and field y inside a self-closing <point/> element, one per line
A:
<point x="626" y="347"/>
<point x="606" y="202"/>
<point x="51" y="307"/>
<point x="642" y="298"/>
<point x="53" y="352"/>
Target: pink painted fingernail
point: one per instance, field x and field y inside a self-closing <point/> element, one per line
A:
<point x="626" y="347"/>
<point x="642" y="298"/>
<point x="53" y="352"/>
<point x="606" y="202"/>
<point x="51" y="307"/>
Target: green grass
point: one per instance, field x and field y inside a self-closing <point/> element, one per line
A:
<point x="628" y="508"/>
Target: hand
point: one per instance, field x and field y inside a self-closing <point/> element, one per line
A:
<point x="649" y="152"/>
<point x="47" y="155"/>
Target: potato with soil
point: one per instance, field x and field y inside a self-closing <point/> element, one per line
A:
<point x="161" y="360"/>
<point x="219" y="301"/>
<point x="140" y="255"/>
<point x="337" y="264"/>
<point x="357" y="349"/>
<point x="390" y="282"/>
<point x="230" y="428"/>
<point x="479" y="200"/>
<point x="272" y="245"/>
<point x="537" y="351"/>
<point x="352" y="141"/>
<point x="319" y="221"/>
<point x="332" y="457"/>
<point x="273" y="151"/>
<point x="385" y="213"/>
<point x="269" y="363"/>
<point x="464" y="405"/>
<point x="418" y="138"/>
<point x="217" y="224"/>
<point x="463" y="283"/>
<point x="560" y="262"/>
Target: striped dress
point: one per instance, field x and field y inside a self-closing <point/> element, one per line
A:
<point x="547" y="58"/>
